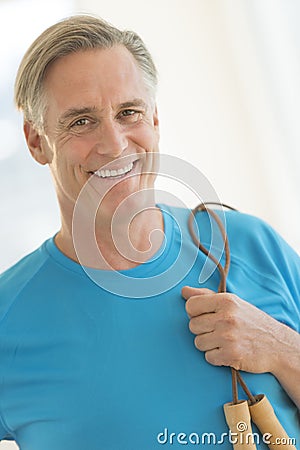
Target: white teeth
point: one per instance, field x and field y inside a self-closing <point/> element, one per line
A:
<point x="113" y="173"/>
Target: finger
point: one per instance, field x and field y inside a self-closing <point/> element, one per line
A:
<point x="214" y="357"/>
<point x="218" y="357"/>
<point x="212" y="302"/>
<point x="202" y="324"/>
<point x="202" y="304"/>
<point x="188" y="291"/>
<point x="206" y="342"/>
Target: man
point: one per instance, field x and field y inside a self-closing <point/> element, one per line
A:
<point x="96" y="350"/>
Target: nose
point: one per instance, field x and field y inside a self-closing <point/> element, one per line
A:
<point x="111" y="139"/>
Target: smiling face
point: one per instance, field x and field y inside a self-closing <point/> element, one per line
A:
<point x="99" y="113"/>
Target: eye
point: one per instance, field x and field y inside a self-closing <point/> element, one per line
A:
<point x="128" y="112"/>
<point x="130" y="115"/>
<point x="80" y="122"/>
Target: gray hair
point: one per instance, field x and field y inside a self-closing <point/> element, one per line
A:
<point x="76" y="33"/>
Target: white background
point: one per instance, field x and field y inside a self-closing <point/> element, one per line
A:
<point x="228" y="102"/>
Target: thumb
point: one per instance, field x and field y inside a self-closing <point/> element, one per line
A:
<point x="189" y="291"/>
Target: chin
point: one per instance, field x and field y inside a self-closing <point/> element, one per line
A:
<point x="126" y="203"/>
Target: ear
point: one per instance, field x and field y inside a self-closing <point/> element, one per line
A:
<point x="155" y="117"/>
<point x="156" y="120"/>
<point x="33" y="139"/>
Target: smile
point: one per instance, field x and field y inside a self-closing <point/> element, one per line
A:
<point x="106" y="173"/>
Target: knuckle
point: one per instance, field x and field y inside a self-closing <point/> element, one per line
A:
<point x="232" y="343"/>
<point x="231" y="321"/>
<point x="231" y="301"/>
<point x="229" y="337"/>
<point x="227" y="319"/>
<point x="229" y="311"/>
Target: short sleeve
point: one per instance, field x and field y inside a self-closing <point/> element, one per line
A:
<point x="262" y="250"/>
<point x="4" y="435"/>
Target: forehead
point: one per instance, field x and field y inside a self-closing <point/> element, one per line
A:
<point x="103" y="74"/>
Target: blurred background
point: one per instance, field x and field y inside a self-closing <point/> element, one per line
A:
<point x="228" y="101"/>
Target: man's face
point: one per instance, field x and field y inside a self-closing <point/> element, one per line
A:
<point x="98" y="111"/>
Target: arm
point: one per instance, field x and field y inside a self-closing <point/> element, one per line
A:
<point x="235" y="333"/>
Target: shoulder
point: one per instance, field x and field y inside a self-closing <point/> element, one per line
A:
<point x="248" y="232"/>
<point x="253" y="243"/>
<point x="240" y="228"/>
<point x="258" y="249"/>
<point x="15" y="279"/>
<point x="244" y="231"/>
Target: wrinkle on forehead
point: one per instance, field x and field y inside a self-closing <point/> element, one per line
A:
<point x="95" y="78"/>
<point x="116" y="62"/>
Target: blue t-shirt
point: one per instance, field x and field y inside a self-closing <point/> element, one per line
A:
<point x="82" y="366"/>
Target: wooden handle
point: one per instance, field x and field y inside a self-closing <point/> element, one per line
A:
<point x="239" y="422"/>
<point x="265" y="419"/>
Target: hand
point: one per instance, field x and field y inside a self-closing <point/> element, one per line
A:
<point x="233" y="332"/>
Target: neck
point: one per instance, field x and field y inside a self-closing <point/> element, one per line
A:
<point x="120" y="242"/>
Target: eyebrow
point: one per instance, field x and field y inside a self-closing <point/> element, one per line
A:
<point x="74" y="112"/>
<point x="134" y="102"/>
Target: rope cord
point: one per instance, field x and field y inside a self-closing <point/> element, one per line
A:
<point x="235" y="374"/>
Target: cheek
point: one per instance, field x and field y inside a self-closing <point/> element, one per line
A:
<point x="150" y="166"/>
<point x="74" y="152"/>
<point x="146" y="135"/>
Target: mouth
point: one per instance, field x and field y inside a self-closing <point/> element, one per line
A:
<point x="114" y="173"/>
<point x="106" y="173"/>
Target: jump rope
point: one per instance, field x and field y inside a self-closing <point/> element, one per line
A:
<point x="258" y="409"/>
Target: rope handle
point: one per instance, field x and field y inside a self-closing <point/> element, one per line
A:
<point x="235" y="375"/>
<point x="258" y="407"/>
